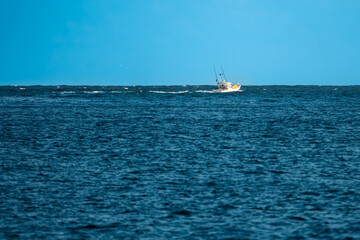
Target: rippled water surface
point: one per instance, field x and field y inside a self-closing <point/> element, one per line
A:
<point x="272" y="162"/>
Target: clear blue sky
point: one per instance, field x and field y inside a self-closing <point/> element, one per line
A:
<point x="175" y="42"/>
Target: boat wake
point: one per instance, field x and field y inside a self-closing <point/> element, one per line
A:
<point x="179" y="92"/>
<point x="206" y="91"/>
<point x="138" y="90"/>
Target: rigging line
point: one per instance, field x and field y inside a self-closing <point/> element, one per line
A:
<point x="216" y="76"/>
<point x="223" y="73"/>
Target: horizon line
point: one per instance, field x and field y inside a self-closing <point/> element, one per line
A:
<point x="178" y="85"/>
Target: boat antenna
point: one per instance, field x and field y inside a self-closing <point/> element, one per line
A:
<point x="223" y="73"/>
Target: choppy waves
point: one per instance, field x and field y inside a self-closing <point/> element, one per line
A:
<point x="274" y="162"/>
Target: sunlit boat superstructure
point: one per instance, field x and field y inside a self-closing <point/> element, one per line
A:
<point x="224" y="85"/>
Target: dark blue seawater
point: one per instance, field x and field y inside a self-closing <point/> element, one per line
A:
<point x="272" y="162"/>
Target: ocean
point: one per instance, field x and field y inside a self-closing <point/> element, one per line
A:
<point x="182" y="162"/>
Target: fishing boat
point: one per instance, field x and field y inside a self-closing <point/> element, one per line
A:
<point x="224" y="85"/>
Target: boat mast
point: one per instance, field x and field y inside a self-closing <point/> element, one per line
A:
<point x="216" y="77"/>
<point x="223" y="73"/>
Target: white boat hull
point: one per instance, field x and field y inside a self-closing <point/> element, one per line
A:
<point x="229" y="90"/>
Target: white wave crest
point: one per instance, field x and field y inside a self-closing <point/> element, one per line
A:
<point x="92" y="92"/>
<point x="66" y="92"/>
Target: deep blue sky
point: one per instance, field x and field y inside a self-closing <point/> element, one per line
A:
<point x="175" y="42"/>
